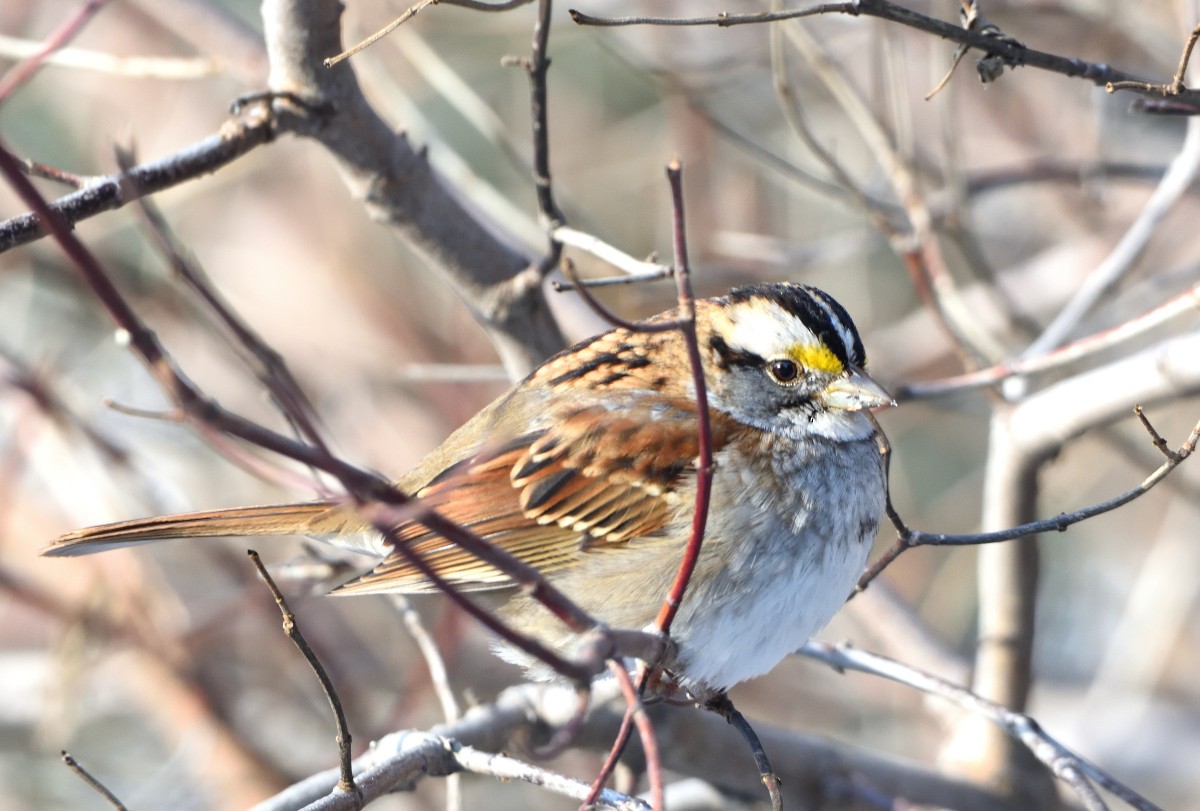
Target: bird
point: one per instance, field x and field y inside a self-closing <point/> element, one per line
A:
<point x="587" y="470"/>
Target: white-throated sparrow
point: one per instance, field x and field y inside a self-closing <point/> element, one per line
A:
<point x="586" y="470"/>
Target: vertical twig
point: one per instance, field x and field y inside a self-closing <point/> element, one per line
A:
<point x="537" y="66"/>
<point x="292" y="631"/>
<point x="704" y="467"/>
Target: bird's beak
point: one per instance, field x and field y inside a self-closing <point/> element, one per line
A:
<point x="854" y="391"/>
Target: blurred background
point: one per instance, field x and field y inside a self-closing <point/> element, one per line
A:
<point x="163" y="670"/>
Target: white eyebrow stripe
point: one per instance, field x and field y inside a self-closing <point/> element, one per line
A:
<point x="765" y="333"/>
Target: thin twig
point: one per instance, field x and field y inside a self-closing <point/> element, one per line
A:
<point x="910" y="538"/>
<point x="505" y="768"/>
<point x="1071" y="768"/>
<point x="272" y="369"/>
<point x="704" y="462"/>
<point x="96" y="785"/>
<point x="439" y="677"/>
<point x="537" y="66"/>
<point x="1176" y="85"/>
<point x="1011" y="52"/>
<point x="722" y="706"/>
<point x="411" y="12"/>
<point x="1186" y="302"/>
<point x="24" y="70"/>
<point x="641" y="721"/>
<point x="408" y="14"/>
<point x="292" y="631"/>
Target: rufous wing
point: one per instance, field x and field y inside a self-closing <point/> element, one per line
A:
<point x="598" y="475"/>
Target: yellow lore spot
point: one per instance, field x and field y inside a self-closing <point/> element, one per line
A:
<point x="817" y="357"/>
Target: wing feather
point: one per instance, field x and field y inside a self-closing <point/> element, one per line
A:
<point x="551" y="496"/>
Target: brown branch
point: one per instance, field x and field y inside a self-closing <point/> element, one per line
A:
<point x="292" y="631"/>
<point x="1176" y="87"/>
<point x="704" y="463"/>
<point x="272" y="370"/>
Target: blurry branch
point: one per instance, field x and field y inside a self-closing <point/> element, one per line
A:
<point x="393" y="179"/>
<point x="789" y="103"/>
<point x="1179" y="176"/>
<point x="232" y="761"/>
<point x="1066" y="765"/>
<point x="1007" y="582"/>
<point x="269" y="366"/>
<point x="140" y="67"/>
<point x="292" y="631"/>
<point x="23" y="71"/>
<point x="1051" y="170"/>
<point x="439" y="677"/>
<point x="237" y="137"/>
<point x="38" y="387"/>
<point x="438" y="674"/>
<point x="497" y="279"/>
<point x="87" y="777"/>
<point x="1181" y="304"/>
<point x="213" y="29"/>
<point x="916" y="242"/>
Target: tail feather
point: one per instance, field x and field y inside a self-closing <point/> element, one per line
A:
<point x="277" y="519"/>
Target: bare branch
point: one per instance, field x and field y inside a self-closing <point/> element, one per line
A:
<point x="1011" y="52"/>
<point x="292" y="631"/>
<point x="236" y="138"/>
<point x="1072" y="769"/>
<point x="499" y="280"/>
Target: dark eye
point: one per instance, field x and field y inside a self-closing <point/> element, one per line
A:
<point x="784" y="371"/>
